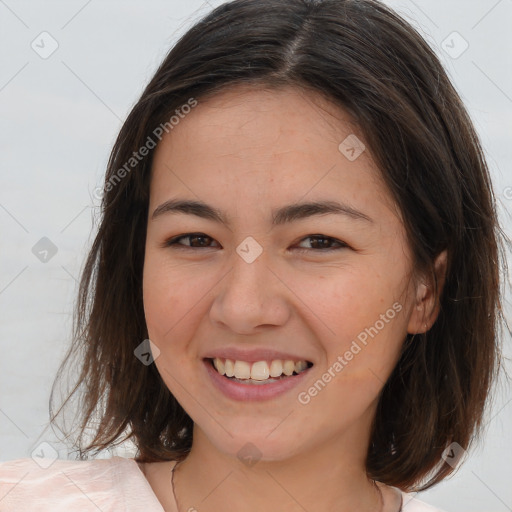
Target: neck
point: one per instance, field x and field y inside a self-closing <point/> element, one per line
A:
<point x="210" y="481"/>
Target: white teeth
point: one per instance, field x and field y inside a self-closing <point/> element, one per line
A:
<point x="276" y="368"/>
<point x="288" y="367"/>
<point x="229" y="368"/>
<point x="242" y="370"/>
<point x="301" y="365"/>
<point x="260" y="370"/>
<point x="219" y="365"/>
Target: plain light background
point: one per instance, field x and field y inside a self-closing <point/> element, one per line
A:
<point x="59" y="116"/>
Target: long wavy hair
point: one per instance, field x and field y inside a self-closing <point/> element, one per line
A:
<point x="365" y="58"/>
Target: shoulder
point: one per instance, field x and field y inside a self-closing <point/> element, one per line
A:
<point x="411" y="504"/>
<point x="62" y="485"/>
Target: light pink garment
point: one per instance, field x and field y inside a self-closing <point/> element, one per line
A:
<point x="100" y="485"/>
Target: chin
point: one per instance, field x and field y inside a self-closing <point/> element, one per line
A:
<point x="251" y="445"/>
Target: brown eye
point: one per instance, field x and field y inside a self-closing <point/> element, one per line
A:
<point x="324" y="243"/>
<point x="195" y="241"/>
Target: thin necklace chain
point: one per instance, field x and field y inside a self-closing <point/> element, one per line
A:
<point x="178" y="507"/>
<point x="172" y="485"/>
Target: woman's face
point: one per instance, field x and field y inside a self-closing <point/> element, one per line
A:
<point x="270" y="283"/>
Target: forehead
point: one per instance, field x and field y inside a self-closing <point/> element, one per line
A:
<point x="245" y="118"/>
<point x="278" y="143"/>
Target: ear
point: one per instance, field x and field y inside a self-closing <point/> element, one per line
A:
<point x="426" y="308"/>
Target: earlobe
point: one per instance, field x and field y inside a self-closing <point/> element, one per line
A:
<point x="427" y="305"/>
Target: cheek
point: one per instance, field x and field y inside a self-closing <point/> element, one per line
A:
<point x="156" y="298"/>
<point x="175" y="300"/>
<point x="167" y="296"/>
<point x="168" y="300"/>
<point x="364" y="314"/>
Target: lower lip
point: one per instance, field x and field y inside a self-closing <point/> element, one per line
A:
<point x="249" y="392"/>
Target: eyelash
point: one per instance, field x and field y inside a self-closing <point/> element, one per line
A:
<point x="173" y="242"/>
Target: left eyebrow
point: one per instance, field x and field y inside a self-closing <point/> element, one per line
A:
<point x="283" y="215"/>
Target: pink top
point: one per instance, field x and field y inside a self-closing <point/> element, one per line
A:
<point x="106" y="485"/>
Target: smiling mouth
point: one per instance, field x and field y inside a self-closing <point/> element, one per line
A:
<point x="259" y="372"/>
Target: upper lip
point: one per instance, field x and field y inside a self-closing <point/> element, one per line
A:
<point x="253" y="355"/>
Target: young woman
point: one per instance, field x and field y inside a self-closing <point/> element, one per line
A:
<point x="293" y="298"/>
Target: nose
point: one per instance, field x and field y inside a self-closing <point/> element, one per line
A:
<point x="250" y="297"/>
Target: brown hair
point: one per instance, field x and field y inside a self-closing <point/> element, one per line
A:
<point x="363" y="57"/>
